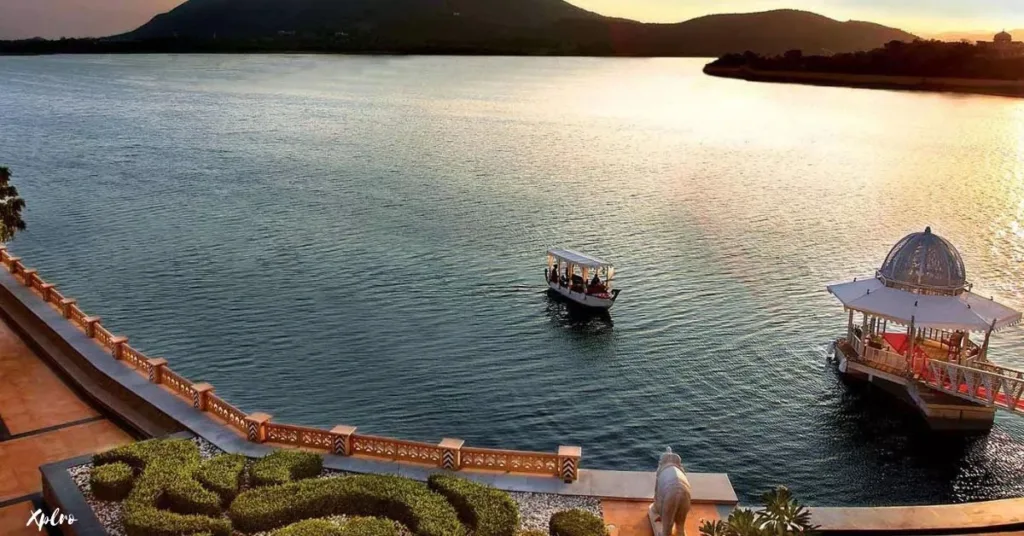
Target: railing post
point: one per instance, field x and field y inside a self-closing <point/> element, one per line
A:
<point x="14" y="264"/>
<point x="569" y="463"/>
<point x="27" y="275"/>
<point x="117" y="344"/>
<point x="45" y="289"/>
<point x="65" y="306"/>
<point x="156" y="368"/>
<point x="256" y="426"/>
<point x="200" y="395"/>
<point x="342" y="440"/>
<point x="451" y="455"/>
<point x="90" y="325"/>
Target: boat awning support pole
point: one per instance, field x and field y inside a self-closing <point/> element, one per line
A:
<point x="983" y="355"/>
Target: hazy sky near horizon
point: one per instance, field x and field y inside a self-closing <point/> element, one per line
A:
<point x="76" y="18"/>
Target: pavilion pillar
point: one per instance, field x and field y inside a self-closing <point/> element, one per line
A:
<point x="849" y="326"/>
<point x="983" y="354"/>
<point x="912" y="338"/>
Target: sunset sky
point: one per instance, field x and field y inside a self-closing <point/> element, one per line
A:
<point x="56" y="18"/>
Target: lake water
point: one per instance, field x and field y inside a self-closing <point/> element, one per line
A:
<point x="360" y="240"/>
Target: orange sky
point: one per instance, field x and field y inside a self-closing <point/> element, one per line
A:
<point x="74" y="18"/>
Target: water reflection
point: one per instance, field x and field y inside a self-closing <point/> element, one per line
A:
<point x="576" y="318"/>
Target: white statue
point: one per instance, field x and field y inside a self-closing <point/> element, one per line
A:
<point x="671" y="496"/>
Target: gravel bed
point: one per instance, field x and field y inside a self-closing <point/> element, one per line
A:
<point x="535" y="508"/>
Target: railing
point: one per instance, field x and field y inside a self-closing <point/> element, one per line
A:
<point x="885" y="358"/>
<point x="858" y="346"/>
<point x="76" y="315"/>
<point x="975" y="384"/>
<point x="230" y="414"/>
<point x="342" y="440"/>
<point x="176" y="383"/>
<point x="103" y="336"/>
<point x="396" y="449"/>
<point x="511" y="461"/>
<point x="134" y="358"/>
<point x="300" y="436"/>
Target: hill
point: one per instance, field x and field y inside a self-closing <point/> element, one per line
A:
<point x="975" y="35"/>
<point x="508" y="26"/>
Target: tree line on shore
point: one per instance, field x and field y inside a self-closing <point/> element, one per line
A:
<point x="897" y="58"/>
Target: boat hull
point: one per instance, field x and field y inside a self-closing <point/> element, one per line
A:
<point x="582" y="299"/>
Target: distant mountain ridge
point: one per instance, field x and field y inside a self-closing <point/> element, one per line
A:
<point x="507" y="26"/>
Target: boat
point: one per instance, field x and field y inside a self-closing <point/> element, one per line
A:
<point x="580" y="278"/>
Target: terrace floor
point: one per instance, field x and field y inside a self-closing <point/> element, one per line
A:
<point x="41" y="421"/>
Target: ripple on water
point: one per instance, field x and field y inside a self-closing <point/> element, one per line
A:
<point x="361" y="241"/>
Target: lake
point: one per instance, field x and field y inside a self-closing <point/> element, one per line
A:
<point x="361" y="240"/>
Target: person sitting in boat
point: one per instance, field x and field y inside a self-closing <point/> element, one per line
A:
<point x="554" y="274"/>
<point x="596" y="286"/>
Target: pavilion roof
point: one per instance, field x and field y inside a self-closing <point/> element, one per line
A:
<point x="966" y="312"/>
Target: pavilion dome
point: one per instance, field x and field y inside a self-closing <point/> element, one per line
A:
<point x="1003" y="37"/>
<point x="925" y="263"/>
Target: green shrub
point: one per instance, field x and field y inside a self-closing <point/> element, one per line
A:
<point x="409" y="502"/>
<point x="360" y="526"/>
<point x="577" y="523"/>
<point x="284" y="466"/>
<point x="222" y="475"/>
<point x="485" y="510"/>
<point x="532" y="532"/>
<point x="112" y="482"/>
<point x="310" y="527"/>
<point x="165" y="468"/>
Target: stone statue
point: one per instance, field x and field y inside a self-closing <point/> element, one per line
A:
<point x="671" y="496"/>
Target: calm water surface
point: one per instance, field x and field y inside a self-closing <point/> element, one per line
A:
<point x="359" y="240"/>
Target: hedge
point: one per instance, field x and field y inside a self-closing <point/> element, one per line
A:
<point x="532" y="532"/>
<point x="360" y="526"/>
<point x="576" y="523"/>
<point x="409" y="502"/>
<point x="284" y="466"/>
<point x="223" y="475"/>
<point x="485" y="510"/>
<point x="165" y="468"/>
<point x="112" y="482"/>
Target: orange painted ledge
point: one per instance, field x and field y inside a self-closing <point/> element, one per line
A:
<point x="952" y="517"/>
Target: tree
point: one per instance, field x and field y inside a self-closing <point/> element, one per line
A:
<point x="10" y="207"/>
<point x="782" y="515"/>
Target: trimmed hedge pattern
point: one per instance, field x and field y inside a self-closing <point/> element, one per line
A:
<point x="360" y="526"/>
<point x="112" y="482"/>
<point x="577" y="522"/>
<point x="165" y="468"/>
<point x="409" y="502"/>
<point x="284" y="466"/>
<point x="487" y="511"/>
<point x="222" y="475"/>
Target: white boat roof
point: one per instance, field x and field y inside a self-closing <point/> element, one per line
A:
<point x="575" y="257"/>
<point x="968" y="311"/>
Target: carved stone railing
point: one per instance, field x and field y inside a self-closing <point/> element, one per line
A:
<point x="135" y="358"/>
<point x="258" y="427"/>
<point x="228" y="413"/>
<point x="396" y="449"/>
<point x="511" y="461"/>
<point x="300" y="436"/>
<point x="177" y="383"/>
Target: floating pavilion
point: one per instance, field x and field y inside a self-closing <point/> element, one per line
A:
<point x="918" y="332"/>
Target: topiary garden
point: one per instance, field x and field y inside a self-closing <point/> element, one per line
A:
<point x="167" y="489"/>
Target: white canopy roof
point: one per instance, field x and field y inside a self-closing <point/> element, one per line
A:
<point x="966" y="312"/>
<point x="581" y="259"/>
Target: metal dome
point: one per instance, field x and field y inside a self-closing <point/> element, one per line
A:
<point x="925" y="263"/>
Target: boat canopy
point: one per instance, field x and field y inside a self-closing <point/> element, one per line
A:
<point x="966" y="312"/>
<point x="579" y="259"/>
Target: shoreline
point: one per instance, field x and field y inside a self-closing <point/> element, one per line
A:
<point x="996" y="88"/>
